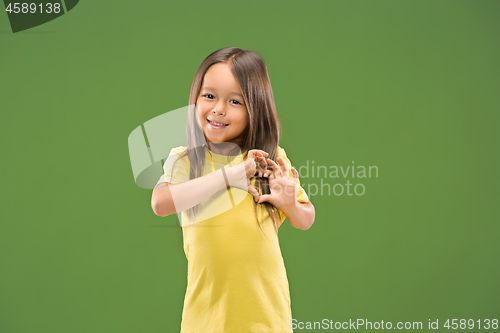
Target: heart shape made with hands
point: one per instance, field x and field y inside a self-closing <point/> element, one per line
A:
<point x="282" y="187"/>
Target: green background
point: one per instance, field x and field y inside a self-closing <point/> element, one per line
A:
<point x="411" y="87"/>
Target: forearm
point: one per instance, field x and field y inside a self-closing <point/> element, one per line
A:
<point x="301" y="216"/>
<point x="179" y="197"/>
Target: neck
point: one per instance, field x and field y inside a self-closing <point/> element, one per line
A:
<point x="225" y="148"/>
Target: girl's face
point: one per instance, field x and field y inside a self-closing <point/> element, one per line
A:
<point x="220" y="109"/>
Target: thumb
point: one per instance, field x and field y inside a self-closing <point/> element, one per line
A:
<point x="266" y="197"/>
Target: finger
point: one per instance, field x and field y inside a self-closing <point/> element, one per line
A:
<point x="268" y="173"/>
<point x="284" y="168"/>
<point x="260" y="171"/>
<point x="277" y="171"/>
<point x="256" y="152"/>
<point x="257" y="156"/>
<point x="261" y="159"/>
<point x="295" y="173"/>
<point x="266" y="197"/>
<point x="253" y="192"/>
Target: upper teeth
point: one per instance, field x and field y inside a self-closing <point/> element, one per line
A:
<point x="213" y="122"/>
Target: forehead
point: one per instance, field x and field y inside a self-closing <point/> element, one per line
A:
<point x="219" y="77"/>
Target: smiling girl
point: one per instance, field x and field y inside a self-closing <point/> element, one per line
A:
<point x="234" y="186"/>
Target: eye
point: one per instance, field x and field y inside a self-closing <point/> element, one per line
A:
<point x="236" y="101"/>
<point x="206" y="95"/>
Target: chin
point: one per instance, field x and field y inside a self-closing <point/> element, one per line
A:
<point x="214" y="140"/>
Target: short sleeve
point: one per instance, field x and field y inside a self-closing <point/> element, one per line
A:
<point x="175" y="168"/>
<point x="301" y="193"/>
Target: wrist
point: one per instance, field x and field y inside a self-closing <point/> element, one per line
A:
<point x="236" y="176"/>
<point x="291" y="209"/>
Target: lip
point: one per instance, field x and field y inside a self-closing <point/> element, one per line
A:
<point x="216" y="126"/>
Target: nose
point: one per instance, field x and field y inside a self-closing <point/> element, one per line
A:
<point x="220" y="113"/>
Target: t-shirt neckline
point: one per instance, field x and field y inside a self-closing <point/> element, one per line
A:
<point x="233" y="159"/>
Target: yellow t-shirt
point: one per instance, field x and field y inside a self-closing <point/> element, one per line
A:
<point x="236" y="275"/>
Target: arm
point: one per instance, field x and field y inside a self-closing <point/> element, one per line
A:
<point x="283" y="196"/>
<point x="192" y="192"/>
<point x="301" y="215"/>
<point x="171" y="198"/>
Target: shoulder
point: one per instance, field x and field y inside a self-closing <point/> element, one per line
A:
<point x="178" y="150"/>
<point x="176" y="154"/>
<point x="281" y="152"/>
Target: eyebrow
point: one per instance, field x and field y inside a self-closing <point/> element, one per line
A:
<point x="234" y="92"/>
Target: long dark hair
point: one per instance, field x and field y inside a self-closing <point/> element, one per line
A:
<point x="263" y="129"/>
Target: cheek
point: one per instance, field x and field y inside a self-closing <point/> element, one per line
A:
<point x="200" y="108"/>
<point x="199" y="114"/>
<point x="243" y="120"/>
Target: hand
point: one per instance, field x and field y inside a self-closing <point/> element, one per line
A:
<point x="240" y="174"/>
<point x="283" y="189"/>
<point x="251" y="166"/>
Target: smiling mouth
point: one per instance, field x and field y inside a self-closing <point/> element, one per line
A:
<point x="217" y="124"/>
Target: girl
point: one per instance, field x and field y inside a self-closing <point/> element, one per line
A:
<point x="238" y="185"/>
